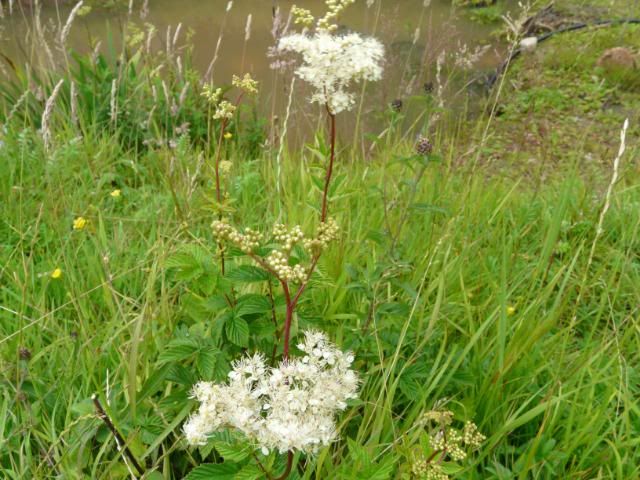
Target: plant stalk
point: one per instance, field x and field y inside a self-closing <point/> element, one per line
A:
<point x="102" y="414"/>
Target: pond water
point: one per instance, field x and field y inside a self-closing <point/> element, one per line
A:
<point x="415" y="33"/>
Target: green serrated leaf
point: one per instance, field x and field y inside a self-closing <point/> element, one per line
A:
<point x="206" y="361"/>
<point x="252" y="304"/>
<point x="249" y="472"/>
<point x="181" y="375"/>
<point x="210" y="471"/>
<point x="248" y="274"/>
<point x="237" y="330"/>
<point x="180" y="260"/>
<point x="215" y="303"/>
<point x="178" y="349"/>
<point x="195" y="308"/>
<point x="186" y="267"/>
<point x="231" y="452"/>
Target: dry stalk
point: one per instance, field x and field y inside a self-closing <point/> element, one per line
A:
<point x="64" y="34"/>
<point x="46" y="115"/>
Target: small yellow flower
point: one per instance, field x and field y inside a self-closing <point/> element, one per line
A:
<point x="79" y="223"/>
<point x="57" y="273"/>
<point x="116" y="193"/>
<point x="228" y="135"/>
<point x="511" y="310"/>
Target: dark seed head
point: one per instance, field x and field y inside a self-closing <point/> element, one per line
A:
<point x="24" y="353"/>
<point x="396" y="105"/>
<point x="423" y="146"/>
<point x="428" y="88"/>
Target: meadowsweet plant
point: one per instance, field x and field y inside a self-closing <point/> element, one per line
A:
<point x="223" y="111"/>
<point x="289" y="407"/>
<point x="443" y="446"/>
<point x="284" y="408"/>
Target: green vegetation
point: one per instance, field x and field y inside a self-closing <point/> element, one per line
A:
<point x="474" y="280"/>
<point x="559" y="108"/>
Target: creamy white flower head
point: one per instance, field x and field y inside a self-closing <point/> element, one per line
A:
<point x="291" y="407"/>
<point x="332" y="63"/>
<point x="224" y="110"/>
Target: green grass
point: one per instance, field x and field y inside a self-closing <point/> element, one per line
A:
<point x="463" y="285"/>
<point x="558" y="108"/>
<point x="554" y="385"/>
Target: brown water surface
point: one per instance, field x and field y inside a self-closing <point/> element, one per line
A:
<point x="414" y="32"/>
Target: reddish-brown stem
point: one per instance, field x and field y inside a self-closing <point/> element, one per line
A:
<point x="287" y="470"/>
<point x="293" y="302"/>
<point x="287" y="323"/>
<point x="327" y="180"/>
<point x="302" y="287"/>
<point x="223" y="126"/>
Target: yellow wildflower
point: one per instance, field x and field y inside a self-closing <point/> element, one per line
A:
<point x="116" y="193"/>
<point x="57" y="273"/>
<point x="79" y="223"/>
<point x="228" y="135"/>
<point x="511" y="310"/>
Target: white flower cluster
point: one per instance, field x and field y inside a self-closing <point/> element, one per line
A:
<point x="331" y="63"/>
<point x="291" y="407"/>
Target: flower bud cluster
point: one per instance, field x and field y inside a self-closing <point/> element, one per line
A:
<point x="212" y="96"/>
<point x="288" y="239"/>
<point x="451" y="442"/>
<point x="225" y="166"/>
<point x="224" y="110"/>
<point x="441" y="417"/>
<point x="454" y="445"/>
<point x="327" y="232"/>
<point x="279" y="262"/>
<point x="472" y="436"/>
<point x="302" y="16"/>
<point x="335" y="8"/>
<point x="248" y="84"/>
<point x="247" y="241"/>
<point x="428" y="470"/>
<point x="291" y="407"/>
